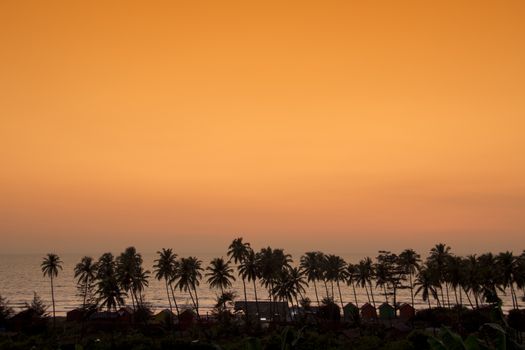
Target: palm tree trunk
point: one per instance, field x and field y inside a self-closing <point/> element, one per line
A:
<point x="372" y="294"/>
<point x="196" y="301"/>
<point x="355" y="294"/>
<point x="442" y="295"/>
<point x="326" y="287"/>
<point x="174" y="300"/>
<point x="332" y="283"/>
<point x="386" y="294"/>
<point x="85" y="295"/>
<point x="411" y="288"/>
<point x="245" y="296"/>
<point x="316" y="295"/>
<point x="448" y="298"/>
<point x="367" y="295"/>
<point x="469" y="300"/>
<point x="340" y="296"/>
<point x="53" y="301"/>
<point x="168" y="294"/>
<point x="456" y="295"/>
<point x="256" y="301"/>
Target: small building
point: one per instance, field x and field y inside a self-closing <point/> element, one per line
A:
<point x="164" y="317"/>
<point x="266" y="310"/>
<point x="125" y="314"/>
<point x="351" y="312"/>
<point x="187" y="318"/>
<point x="386" y="311"/>
<point x="75" y="315"/>
<point x="406" y="311"/>
<point x="368" y="312"/>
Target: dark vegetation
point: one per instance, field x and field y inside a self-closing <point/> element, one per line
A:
<point x="462" y="295"/>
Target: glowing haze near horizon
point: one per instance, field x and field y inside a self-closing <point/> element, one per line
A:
<point x="337" y="125"/>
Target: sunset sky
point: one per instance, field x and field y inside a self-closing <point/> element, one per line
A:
<point x="345" y="126"/>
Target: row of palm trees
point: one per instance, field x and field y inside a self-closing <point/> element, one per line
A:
<point x="442" y="277"/>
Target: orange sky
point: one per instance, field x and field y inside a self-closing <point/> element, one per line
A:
<point x="347" y="126"/>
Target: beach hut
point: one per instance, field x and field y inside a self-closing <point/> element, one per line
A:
<point x="368" y="312"/>
<point x="351" y="312"/>
<point x="406" y="311"/>
<point x="75" y="315"/>
<point x="386" y="311"/>
<point x="267" y="310"/>
<point x="164" y="317"/>
<point x="187" y="318"/>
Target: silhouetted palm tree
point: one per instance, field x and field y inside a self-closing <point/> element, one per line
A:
<point x="364" y="275"/>
<point x="164" y="268"/>
<point x="272" y="262"/>
<point x="188" y="278"/>
<point x="439" y="256"/>
<point x="109" y="294"/>
<point x="131" y="275"/>
<point x="220" y="274"/>
<point x="409" y="261"/>
<point x="335" y="271"/>
<point x="311" y="267"/>
<point x="50" y="266"/>
<point x="507" y="264"/>
<point x="351" y="275"/>
<point x="85" y="272"/>
<point x="455" y="276"/>
<point x="238" y="251"/>
<point x="426" y="284"/>
<point x="249" y="270"/>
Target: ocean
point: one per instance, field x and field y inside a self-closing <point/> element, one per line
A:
<point x="21" y="276"/>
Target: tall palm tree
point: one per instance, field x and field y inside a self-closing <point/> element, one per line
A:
<point x="249" y="270"/>
<point x="85" y="272"/>
<point x="50" y="266"/>
<point x="188" y="278"/>
<point x="131" y="275"/>
<point x="409" y="262"/>
<point x="507" y="265"/>
<point x="351" y="274"/>
<point x="336" y="272"/>
<point x="455" y="276"/>
<point x="164" y="268"/>
<point x="311" y="266"/>
<point x="365" y="273"/>
<point x="220" y="274"/>
<point x="237" y="252"/>
<point x="439" y="256"/>
<point x="110" y="295"/>
<point x="426" y="284"/>
<point x="272" y="262"/>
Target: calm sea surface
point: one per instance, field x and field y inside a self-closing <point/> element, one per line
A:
<point x="20" y="276"/>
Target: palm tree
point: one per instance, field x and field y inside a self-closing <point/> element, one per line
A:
<point x="249" y="270"/>
<point x="110" y="295"/>
<point x="238" y="251"/>
<point x="507" y="264"/>
<point x="188" y="278"/>
<point x="85" y="272"/>
<point x="131" y="275"/>
<point x="311" y="266"/>
<point x="455" y="275"/>
<point x="335" y="271"/>
<point x="409" y="262"/>
<point x="351" y="274"/>
<point x="272" y="262"/>
<point x="439" y="256"/>
<point x="164" y="269"/>
<point x="50" y="266"/>
<point x="365" y="272"/>
<point x="220" y="274"/>
<point x="426" y="283"/>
